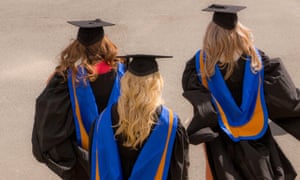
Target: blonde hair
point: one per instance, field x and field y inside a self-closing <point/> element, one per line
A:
<point x="140" y="97"/>
<point x="76" y="53"/>
<point x="222" y="43"/>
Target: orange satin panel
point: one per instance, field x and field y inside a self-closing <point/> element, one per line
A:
<point x="160" y="170"/>
<point x="204" y="81"/>
<point x="97" y="167"/>
<point x="254" y="125"/>
<point x="83" y="133"/>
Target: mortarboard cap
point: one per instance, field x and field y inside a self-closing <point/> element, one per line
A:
<point x="90" y="31"/>
<point x="143" y="64"/>
<point x="225" y="15"/>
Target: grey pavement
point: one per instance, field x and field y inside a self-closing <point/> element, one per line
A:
<point x="33" y="32"/>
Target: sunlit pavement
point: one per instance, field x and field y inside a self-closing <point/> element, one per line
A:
<point x="33" y="32"/>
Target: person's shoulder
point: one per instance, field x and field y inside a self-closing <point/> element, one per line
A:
<point x="57" y="81"/>
<point x="190" y="63"/>
<point x="267" y="60"/>
<point x="271" y="64"/>
<point x="169" y="110"/>
<point x="193" y="57"/>
<point x="263" y="55"/>
<point x="60" y="76"/>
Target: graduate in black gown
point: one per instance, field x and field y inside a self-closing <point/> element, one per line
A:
<point x="234" y="89"/>
<point x="138" y="137"/>
<point x="85" y="81"/>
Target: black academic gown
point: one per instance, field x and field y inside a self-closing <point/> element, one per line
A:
<point x="245" y="160"/>
<point x="53" y="136"/>
<point x="179" y="164"/>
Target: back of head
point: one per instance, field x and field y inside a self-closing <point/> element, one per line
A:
<point x="90" y="47"/>
<point x="223" y="43"/>
<point x="140" y="97"/>
<point x="227" y="39"/>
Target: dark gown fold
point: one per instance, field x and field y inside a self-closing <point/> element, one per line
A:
<point x="282" y="97"/>
<point x="256" y="159"/>
<point x="53" y="135"/>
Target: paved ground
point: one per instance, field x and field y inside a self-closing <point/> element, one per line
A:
<point x="33" y="32"/>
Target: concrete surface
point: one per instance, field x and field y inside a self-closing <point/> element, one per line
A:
<point x="33" y="32"/>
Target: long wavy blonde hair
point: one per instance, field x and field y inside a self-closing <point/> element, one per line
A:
<point x="227" y="45"/>
<point x="140" y="97"/>
<point x="76" y="53"/>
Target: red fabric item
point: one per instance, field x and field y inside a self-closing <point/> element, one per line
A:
<point x="102" y="67"/>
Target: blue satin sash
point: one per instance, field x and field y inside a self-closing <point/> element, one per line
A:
<point x="249" y="121"/>
<point x="154" y="159"/>
<point x="83" y="102"/>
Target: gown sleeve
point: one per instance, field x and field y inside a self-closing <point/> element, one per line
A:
<point x="53" y="130"/>
<point x="282" y="96"/>
<point x="205" y="115"/>
<point x="180" y="155"/>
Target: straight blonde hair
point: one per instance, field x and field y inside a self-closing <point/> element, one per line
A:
<point x="220" y="43"/>
<point x="140" y="97"/>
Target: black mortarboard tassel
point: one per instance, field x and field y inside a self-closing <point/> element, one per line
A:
<point x="142" y="64"/>
<point x="90" y="31"/>
<point x="225" y="15"/>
